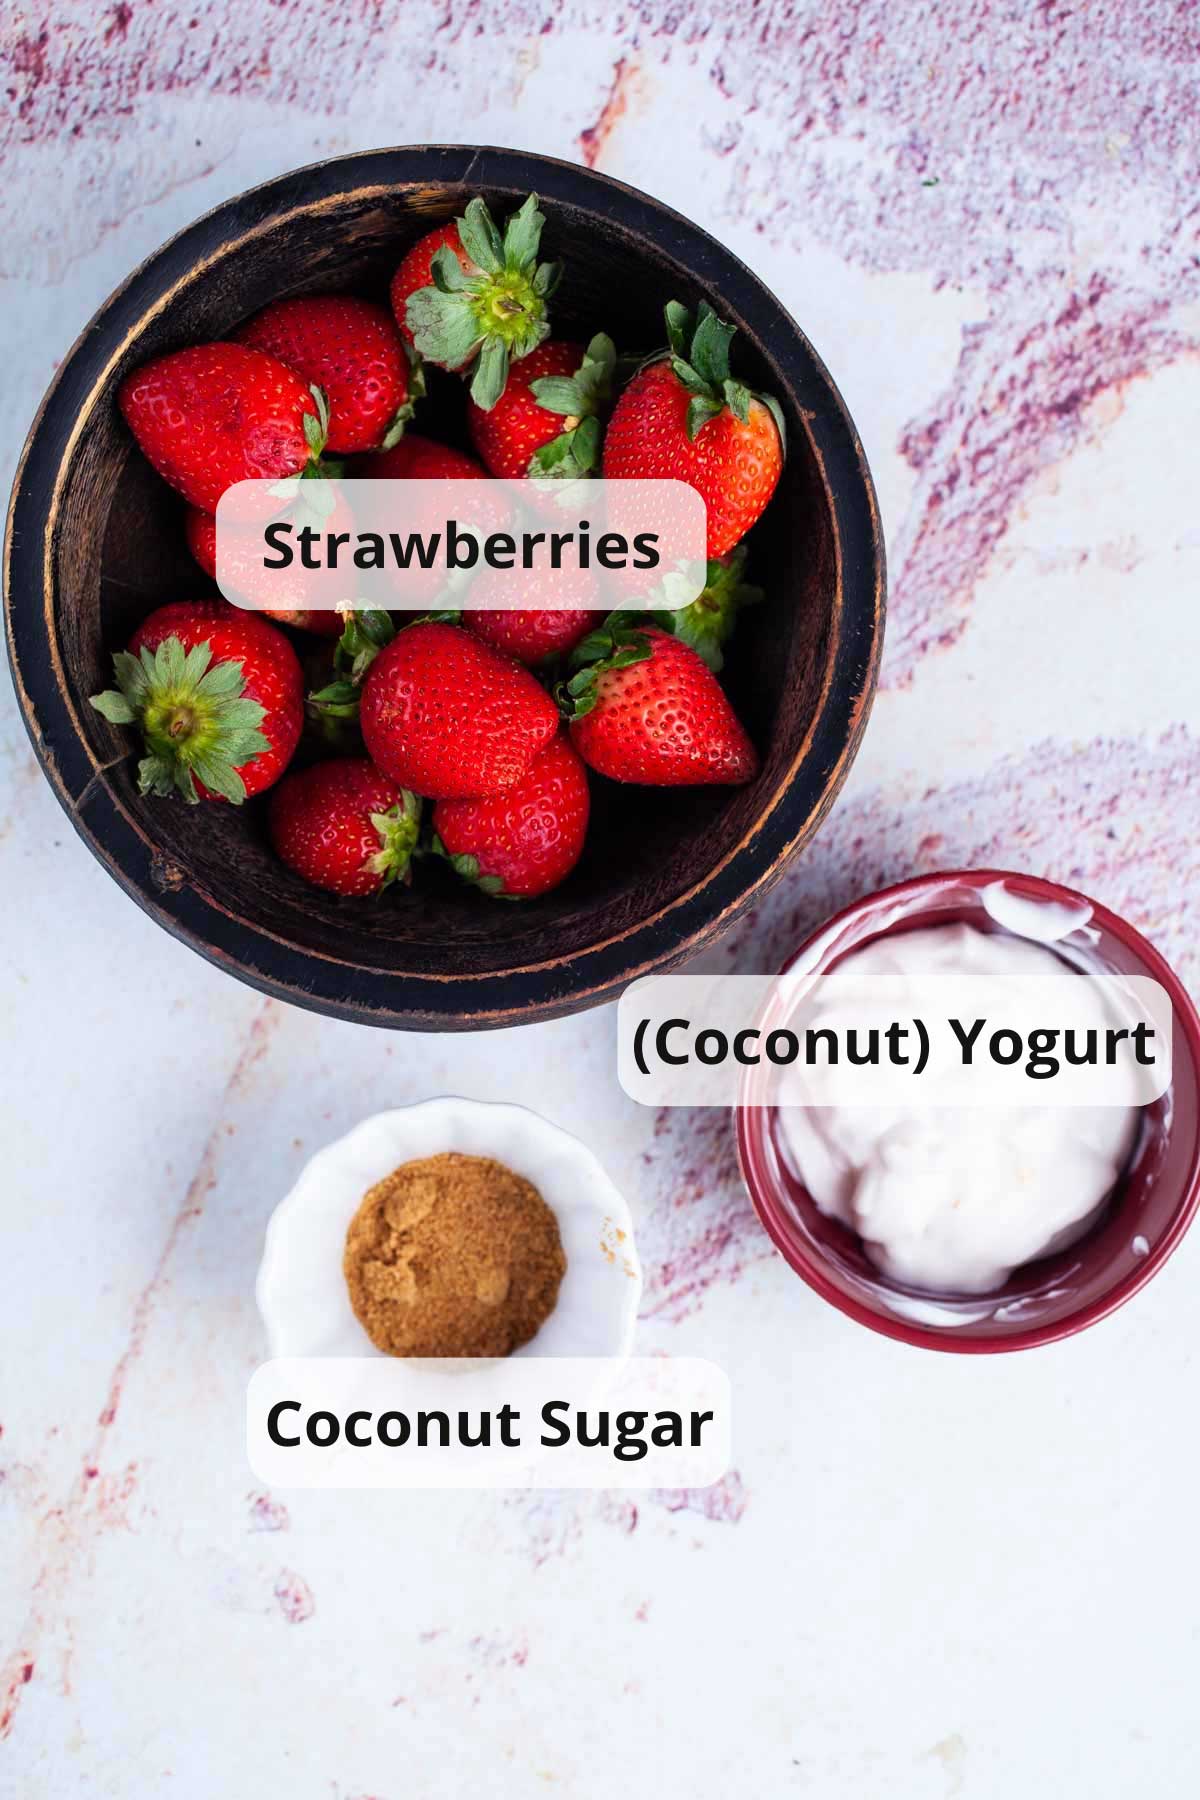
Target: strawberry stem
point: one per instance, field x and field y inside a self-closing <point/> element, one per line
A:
<point x="698" y="350"/>
<point x="481" y="320"/>
<point x="616" y="644"/>
<point x="579" y="398"/>
<point x="195" y="719"/>
<point x="398" y="830"/>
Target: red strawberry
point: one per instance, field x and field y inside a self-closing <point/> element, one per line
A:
<point x="218" y="696"/>
<point x="650" y="710"/>
<point x="526" y="840"/>
<point x="352" y="351"/>
<point x="686" y="419"/>
<point x="532" y="635"/>
<point x="219" y="413"/>
<point x="465" y="296"/>
<point x="200" y="529"/>
<point x="545" y="421"/>
<point x="344" y="826"/>
<point x="446" y="715"/>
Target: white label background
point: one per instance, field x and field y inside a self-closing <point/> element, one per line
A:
<point x="673" y="512"/>
<point x="341" y="1385"/>
<point x="733" y="1003"/>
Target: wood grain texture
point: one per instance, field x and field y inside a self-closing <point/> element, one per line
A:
<point x="95" y="541"/>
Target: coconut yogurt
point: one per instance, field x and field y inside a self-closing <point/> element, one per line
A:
<point x="951" y="1200"/>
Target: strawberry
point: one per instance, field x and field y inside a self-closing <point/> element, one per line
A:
<point x="532" y="635"/>
<point x="646" y="708"/>
<point x="545" y="422"/>
<point x="468" y="298"/>
<point x="352" y="351"/>
<point x="684" y="418"/>
<point x="446" y="715"/>
<point x="200" y="529"/>
<point x="344" y="826"/>
<point x="218" y="696"/>
<point x="219" y="413"/>
<point x="527" y="839"/>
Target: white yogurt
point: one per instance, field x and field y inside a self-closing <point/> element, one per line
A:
<point x="1044" y="921"/>
<point x="952" y="1199"/>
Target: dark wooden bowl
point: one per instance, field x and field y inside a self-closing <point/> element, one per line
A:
<point x="95" y="540"/>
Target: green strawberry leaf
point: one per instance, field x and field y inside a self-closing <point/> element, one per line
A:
<point x="398" y="830"/>
<point x="560" y="394"/>
<point x="449" y="276"/>
<point x="443" y="325"/>
<point x="523" y="235"/>
<point x="679" y="327"/>
<point x="157" y="777"/>
<point x="527" y="336"/>
<point x="491" y="373"/>
<point x="196" y="662"/>
<point x="339" y="700"/>
<point x="169" y="660"/>
<point x="546" y="278"/>
<point x="700" y="413"/>
<point x="587" y="438"/>
<point x="570" y="456"/>
<point x="556" y="458"/>
<point x="595" y="372"/>
<point x="364" y="635"/>
<point x="220" y="777"/>
<point x="710" y="349"/>
<point x="480" y="239"/>
<point x="223" y="681"/>
<point x="691" y="378"/>
<point x="376" y="625"/>
<point x="114" y="707"/>
<point x="737" y="398"/>
<point x="316" y="425"/>
<point x="132" y="677"/>
<point x="583" y="703"/>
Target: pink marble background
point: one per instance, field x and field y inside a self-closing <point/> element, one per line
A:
<point x="918" y="1580"/>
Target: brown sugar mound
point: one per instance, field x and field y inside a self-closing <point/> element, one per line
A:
<point x="453" y="1255"/>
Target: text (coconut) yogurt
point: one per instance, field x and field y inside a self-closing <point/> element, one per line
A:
<point x="953" y="1199"/>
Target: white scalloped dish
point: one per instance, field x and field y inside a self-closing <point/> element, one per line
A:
<point x="301" y="1290"/>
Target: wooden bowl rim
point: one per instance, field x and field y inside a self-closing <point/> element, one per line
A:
<point x="197" y="917"/>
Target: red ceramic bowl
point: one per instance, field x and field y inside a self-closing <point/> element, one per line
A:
<point x="1057" y="1295"/>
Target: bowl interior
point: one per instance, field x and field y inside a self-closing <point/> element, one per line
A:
<point x="119" y="551"/>
<point x="1137" y="1227"/>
